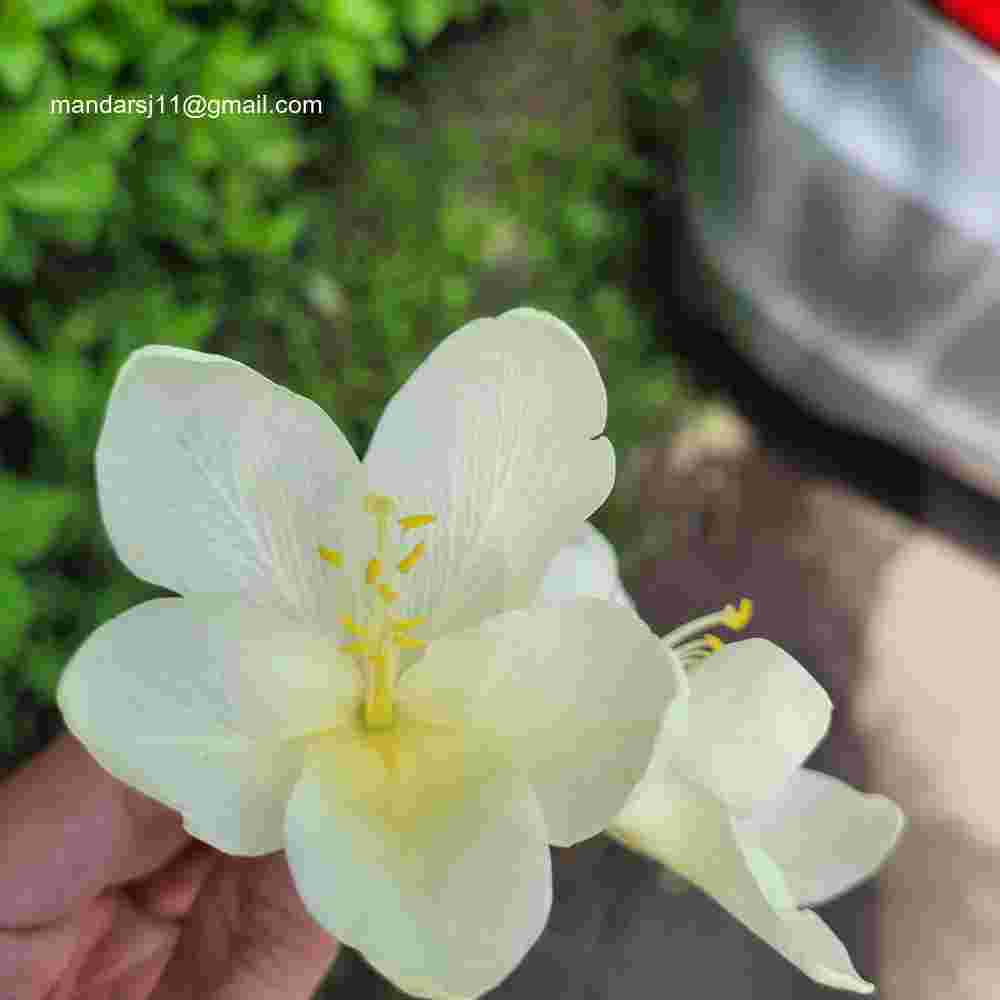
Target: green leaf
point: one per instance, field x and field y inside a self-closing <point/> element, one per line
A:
<point x="301" y="62"/>
<point x="173" y="42"/>
<point x="192" y="327"/>
<point x="6" y="226"/>
<point x="364" y="19"/>
<point x="423" y="19"/>
<point x="43" y="664"/>
<point x="146" y="18"/>
<point x="389" y="53"/>
<point x="64" y="398"/>
<point x="31" y="516"/>
<point x="52" y="13"/>
<point x="112" y="133"/>
<point x="17" y="262"/>
<point x="15" y="361"/>
<point x="279" y="234"/>
<point x="21" y="60"/>
<point x="17" y="608"/>
<point x="70" y="179"/>
<point x="349" y="65"/>
<point x="8" y="727"/>
<point x="92" y="47"/>
<point x="235" y="65"/>
<point x="28" y="128"/>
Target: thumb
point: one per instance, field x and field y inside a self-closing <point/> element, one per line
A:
<point x="68" y="830"/>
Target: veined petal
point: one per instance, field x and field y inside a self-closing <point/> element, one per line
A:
<point x="497" y="434"/>
<point x="825" y="835"/>
<point x="201" y="703"/>
<point x="424" y="849"/>
<point x="586" y="567"/>
<point x="689" y="830"/>
<point x="212" y="479"/>
<point x="577" y="692"/>
<point x="755" y="715"/>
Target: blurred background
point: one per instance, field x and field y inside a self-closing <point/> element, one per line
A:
<point x="774" y="224"/>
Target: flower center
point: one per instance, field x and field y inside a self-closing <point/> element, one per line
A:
<point x="692" y="646"/>
<point x="376" y="640"/>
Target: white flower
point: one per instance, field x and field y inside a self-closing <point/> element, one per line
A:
<point x="356" y="670"/>
<point x="725" y="803"/>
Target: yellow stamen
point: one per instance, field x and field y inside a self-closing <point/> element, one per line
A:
<point x="348" y="622"/>
<point x="405" y="642"/>
<point x="407" y="563"/>
<point x="373" y="571"/>
<point x="737" y="619"/>
<point x="712" y="642"/>
<point x="416" y="521"/>
<point x="387" y="593"/>
<point x="405" y="624"/>
<point x="354" y="647"/>
<point x="332" y="556"/>
<point x="379" y="505"/>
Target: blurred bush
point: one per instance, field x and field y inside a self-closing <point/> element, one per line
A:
<point x="330" y="252"/>
<point x="209" y="186"/>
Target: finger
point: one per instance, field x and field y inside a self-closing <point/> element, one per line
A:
<point x="35" y="962"/>
<point x="135" y="940"/>
<point x="250" y="926"/>
<point x="286" y="954"/>
<point x="68" y="830"/>
<point x="172" y="892"/>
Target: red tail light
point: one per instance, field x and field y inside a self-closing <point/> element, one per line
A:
<point x="981" y="17"/>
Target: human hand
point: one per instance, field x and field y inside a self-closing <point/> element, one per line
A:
<point x="104" y="896"/>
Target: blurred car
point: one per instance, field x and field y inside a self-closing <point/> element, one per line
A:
<point x="843" y="184"/>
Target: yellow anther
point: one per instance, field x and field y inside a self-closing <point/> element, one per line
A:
<point x="354" y="647"/>
<point x="408" y="562"/>
<point x="712" y="642"/>
<point x="405" y="642"/>
<point x="416" y="521"/>
<point x="332" y="556"/>
<point x="348" y="622"/>
<point x="379" y="505"/>
<point x="405" y="624"/>
<point x="373" y="570"/>
<point x="387" y="593"/>
<point x="737" y="619"/>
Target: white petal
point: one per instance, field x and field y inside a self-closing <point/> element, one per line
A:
<point x="421" y="847"/>
<point x="577" y="691"/>
<point x="586" y="567"/>
<point x="689" y="830"/>
<point x="212" y="479"/>
<point x="755" y="715"/>
<point x="201" y="703"/>
<point x="825" y="835"/>
<point x="495" y="434"/>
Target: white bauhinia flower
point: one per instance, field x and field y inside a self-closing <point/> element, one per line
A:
<point x="726" y="804"/>
<point x="356" y="669"/>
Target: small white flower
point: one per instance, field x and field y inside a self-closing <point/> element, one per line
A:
<point x="726" y="804"/>
<point x="356" y="670"/>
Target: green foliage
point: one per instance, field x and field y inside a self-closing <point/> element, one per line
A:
<point x="212" y="185"/>
<point x="668" y="42"/>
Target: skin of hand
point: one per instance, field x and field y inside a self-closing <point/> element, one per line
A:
<point x="104" y="896"/>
